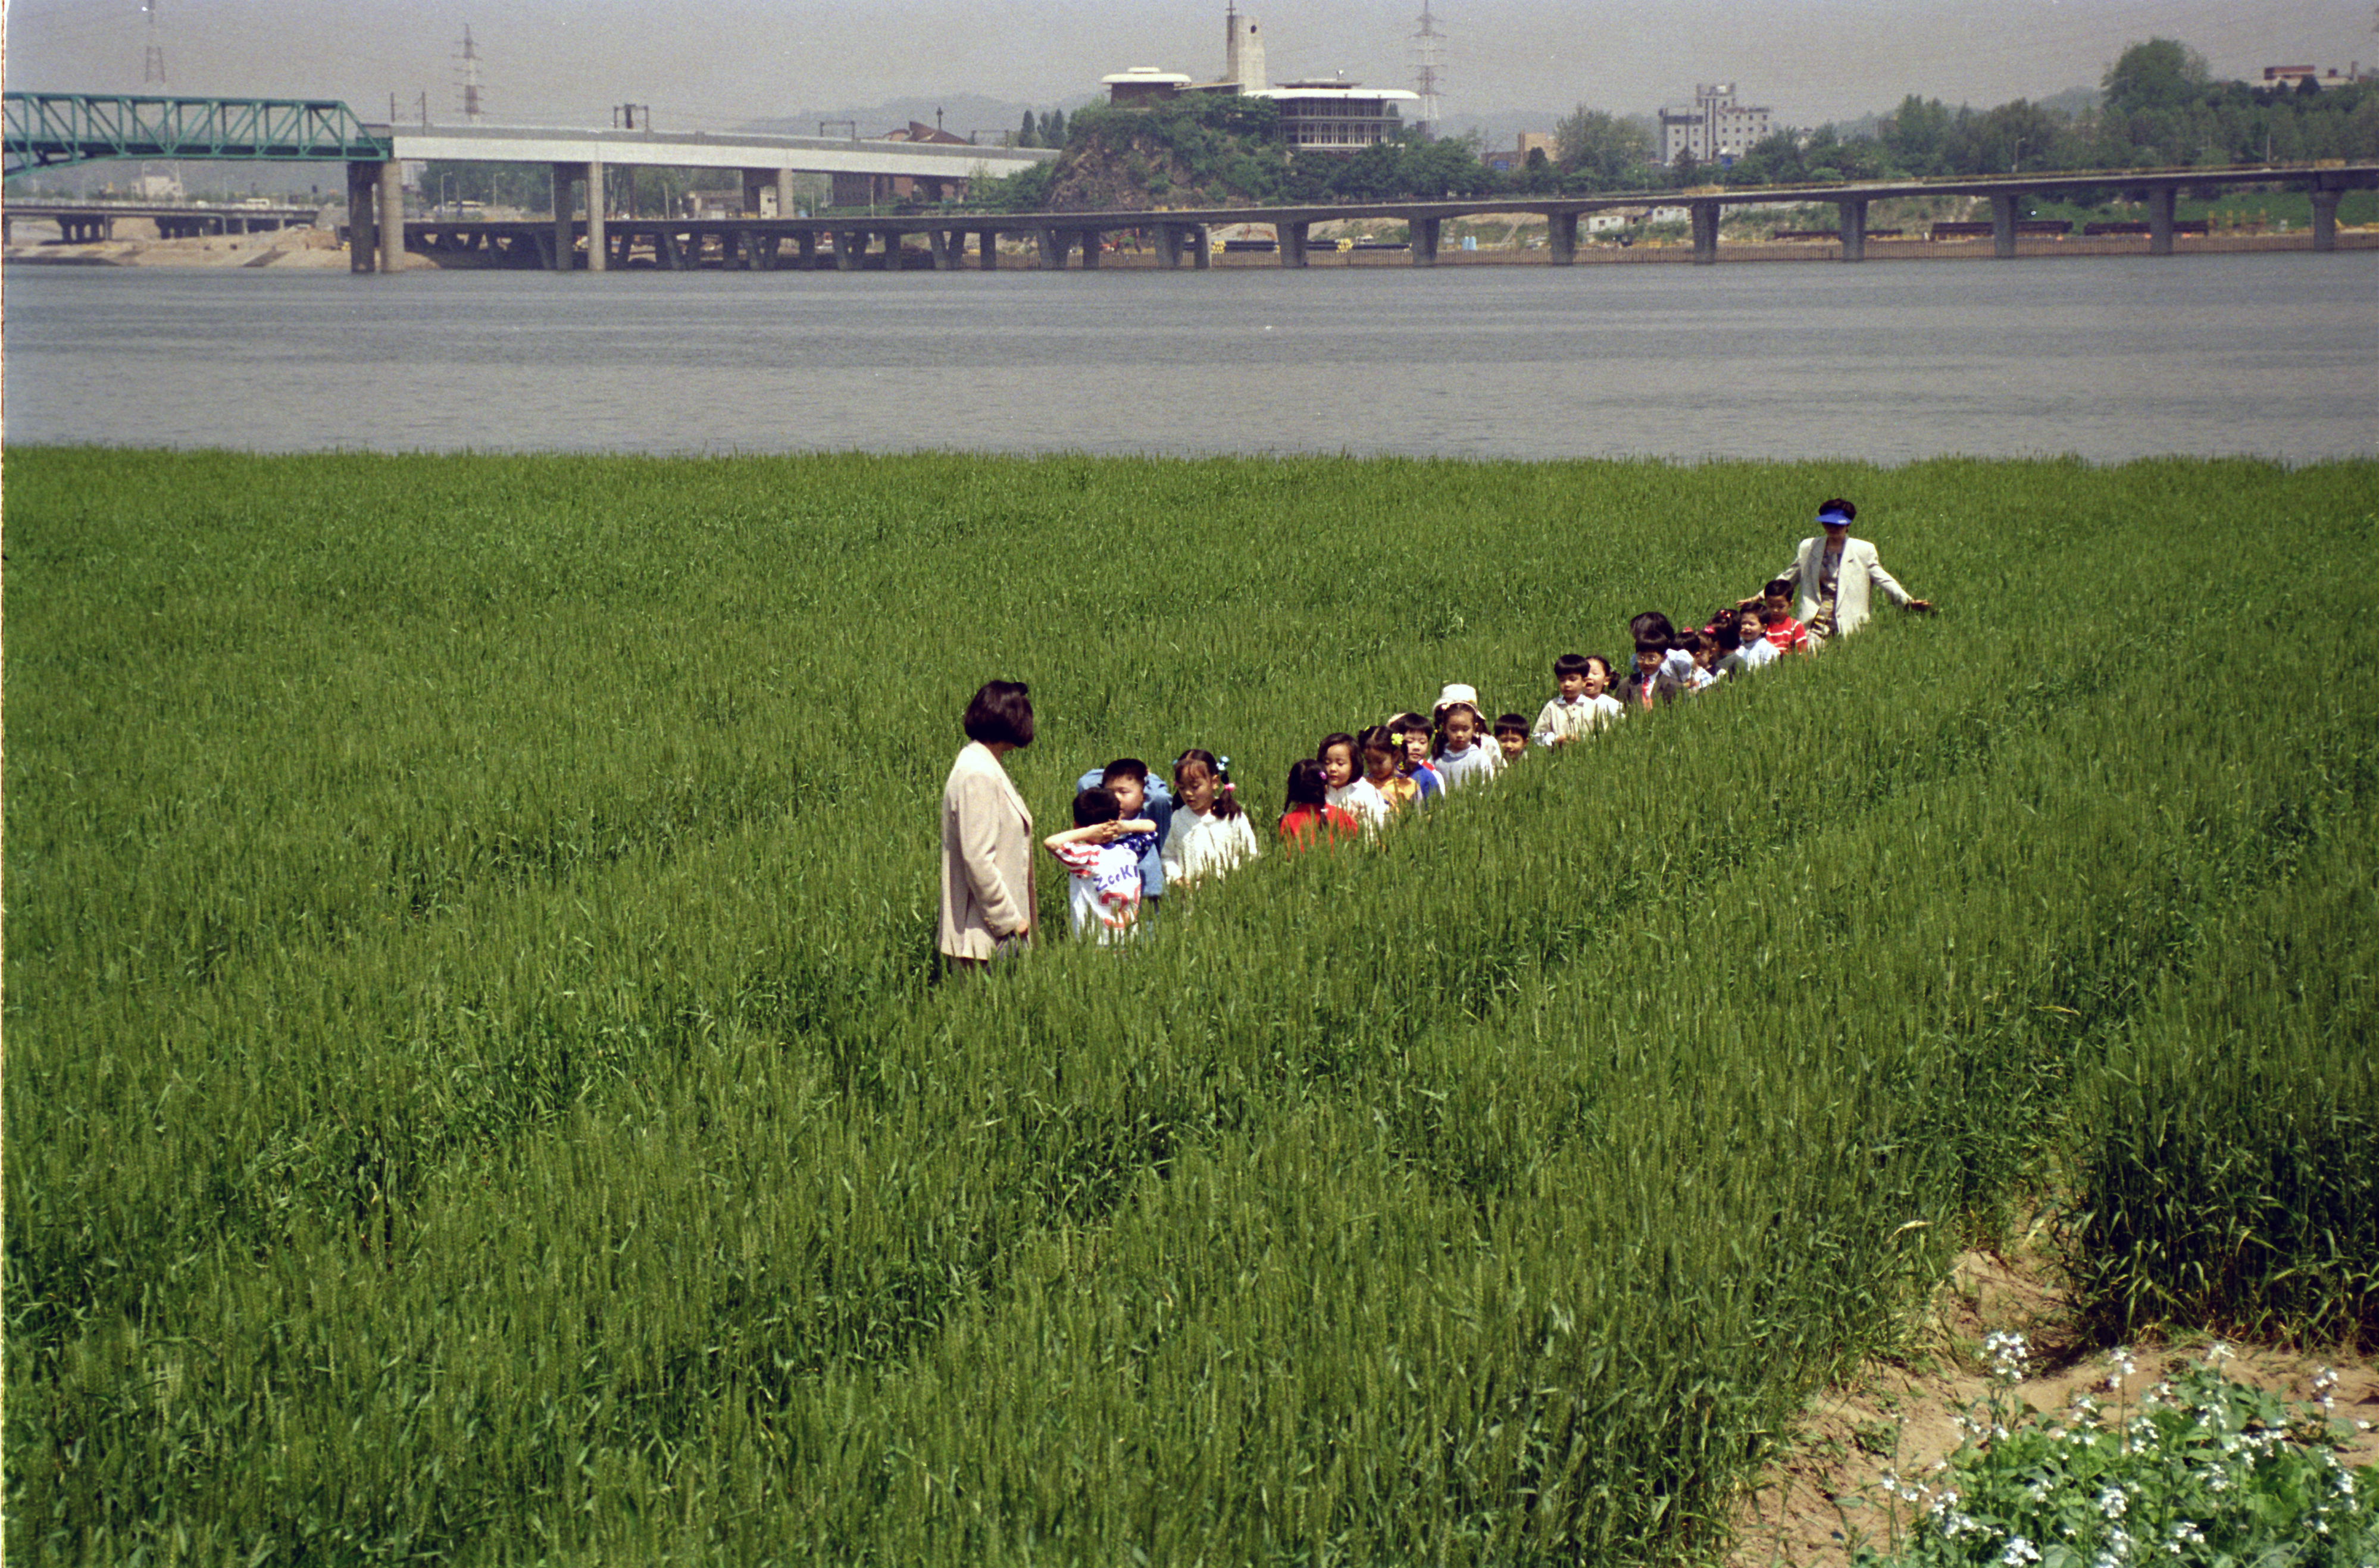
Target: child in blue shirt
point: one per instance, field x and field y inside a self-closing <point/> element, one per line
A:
<point x="1101" y="854"/>
<point x="1138" y="795"/>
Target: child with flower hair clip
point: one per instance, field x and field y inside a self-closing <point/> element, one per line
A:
<point x="1412" y="733"/>
<point x="1211" y="834"/>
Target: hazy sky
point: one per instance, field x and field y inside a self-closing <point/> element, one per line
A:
<point x="709" y="64"/>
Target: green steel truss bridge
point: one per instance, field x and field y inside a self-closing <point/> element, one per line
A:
<point x="52" y="129"/>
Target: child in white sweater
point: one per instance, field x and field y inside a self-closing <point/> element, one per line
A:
<point x="1211" y="832"/>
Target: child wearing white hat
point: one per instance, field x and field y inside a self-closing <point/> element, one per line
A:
<point x="1464" y="756"/>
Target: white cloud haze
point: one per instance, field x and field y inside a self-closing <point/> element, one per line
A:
<point x="711" y="64"/>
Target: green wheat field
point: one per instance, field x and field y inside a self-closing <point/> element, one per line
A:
<point x="477" y="1090"/>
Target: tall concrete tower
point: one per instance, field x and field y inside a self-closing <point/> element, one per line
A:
<point x="1243" y="60"/>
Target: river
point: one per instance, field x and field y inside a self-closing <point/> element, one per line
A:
<point x="2107" y="358"/>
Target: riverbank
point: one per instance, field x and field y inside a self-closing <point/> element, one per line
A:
<point x="292" y="249"/>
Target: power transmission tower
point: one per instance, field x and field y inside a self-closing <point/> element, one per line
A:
<point x="467" y="74"/>
<point x="153" y="59"/>
<point x="1428" y="44"/>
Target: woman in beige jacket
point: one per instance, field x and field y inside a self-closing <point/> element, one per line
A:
<point x="1834" y="574"/>
<point x="987" y="893"/>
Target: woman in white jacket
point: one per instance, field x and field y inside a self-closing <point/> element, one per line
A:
<point x="1834" y="574"/>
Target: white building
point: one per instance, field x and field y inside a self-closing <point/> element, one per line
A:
<point x="1329" y="115"/>
<point x="1337" y="116"/>
<point x="1716" y="127"/>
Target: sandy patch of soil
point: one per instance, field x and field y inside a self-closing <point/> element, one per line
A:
<point x="1824" y="1496"/>
<point x="295" y="249"/>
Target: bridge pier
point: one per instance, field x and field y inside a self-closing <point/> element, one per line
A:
<point x="2325" y="219"/>
<point x="1091" y="239"/>
<point x="384" y="196"/>
<point x="986" y="250"/>
<point x="1292" y="242"/>
<point x="1705" y="225"/>
<point x="561" y="245"/>
<point x="947" y="246"/>
<point x="1202" y="248"/>
<point x="1168" y="246"/>
<point x="1562" y="235"/>
<point x="805" y="248"/>
<point x="1051" y="245"/>
<point x="599" y="250"/>
<point x="1853" y="229"/>
<point x="2160" y="202"/>
<point x="849" y="249"/>
<point x="363" y="227"/>
<point x="665" y="251"/>
<point x="1424" y="240"/>
<point x="2003" y="225"/>
<point x="392" y="216"/>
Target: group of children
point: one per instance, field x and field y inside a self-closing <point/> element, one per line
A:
<point x="1132" y="838"/>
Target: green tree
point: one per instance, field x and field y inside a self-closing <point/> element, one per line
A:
<point x="1917" y="135"/>
<point x="2013" y="138"/>
<point x="1024" y="135"/>
<point x="2163" y="73"/>
<point x="1605" y="148"/>
<point x="1774" y="159"/>
<point x="1445" y="168"/>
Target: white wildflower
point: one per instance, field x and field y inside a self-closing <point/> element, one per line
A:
<point x="2113" y="1502"/>
<point x="2019" y="1551"/>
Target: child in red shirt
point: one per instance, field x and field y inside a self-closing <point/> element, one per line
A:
<point x="1788" y="634"/>
<point x="1309" y="814"/>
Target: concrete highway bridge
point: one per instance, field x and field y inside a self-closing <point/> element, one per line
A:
<point x="1182" y="236"/>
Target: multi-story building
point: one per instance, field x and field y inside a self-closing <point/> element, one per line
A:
<point x="872" y="190"/>
<point x="1328" y="116"/>
<point x="1715" y="129"/>
<point x="1516" y="157"/>
<point x="2294" y="76"/>
<point x="1337" y="116"/>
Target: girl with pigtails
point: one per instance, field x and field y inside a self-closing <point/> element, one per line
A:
<point x="1210" y="830"/>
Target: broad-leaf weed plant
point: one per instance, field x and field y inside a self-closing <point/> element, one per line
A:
<point x="2198" y="1470"/>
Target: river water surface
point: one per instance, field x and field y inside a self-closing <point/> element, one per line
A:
<point x="2274" y="354"/>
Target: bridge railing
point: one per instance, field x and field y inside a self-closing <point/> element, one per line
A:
<point x="49" y="129"/>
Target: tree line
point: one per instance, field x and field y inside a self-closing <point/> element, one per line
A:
<point x="2158" y="107"/>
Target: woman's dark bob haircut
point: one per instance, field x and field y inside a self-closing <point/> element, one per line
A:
<point x="1001" y="714"/>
